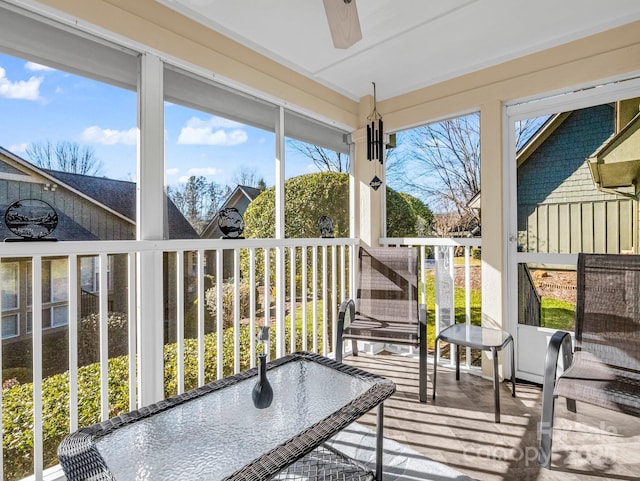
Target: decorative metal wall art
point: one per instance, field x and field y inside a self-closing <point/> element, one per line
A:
<point x="231" y="223"/>
<point x="375" y="140"/>
<point x="31" y="219"/>
<point x="375" y="183"/>
<point x="325" y="226"/>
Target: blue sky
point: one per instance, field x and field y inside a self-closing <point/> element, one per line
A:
<point x="39" y="104"/>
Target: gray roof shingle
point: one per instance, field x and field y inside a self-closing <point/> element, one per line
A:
<point x="120" y="196"/>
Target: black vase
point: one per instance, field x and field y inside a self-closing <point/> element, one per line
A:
<point x="262" y="393"/>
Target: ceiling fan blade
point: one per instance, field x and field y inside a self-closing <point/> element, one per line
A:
<point x="343" y="22"/>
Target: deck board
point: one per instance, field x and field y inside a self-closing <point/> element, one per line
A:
<point x="459" y="430"/>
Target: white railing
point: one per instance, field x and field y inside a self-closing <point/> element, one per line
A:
<point x="311" y="273"/>
<point x="305" y="277"/>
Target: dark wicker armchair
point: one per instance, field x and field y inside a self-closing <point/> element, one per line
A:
<point x="386" y="307"/>
<point x="605" y="368"/>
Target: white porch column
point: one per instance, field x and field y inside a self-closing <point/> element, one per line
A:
<point x="280" y="220"/>
<point x="150" y="225"/>
<point x="494" y="196"/>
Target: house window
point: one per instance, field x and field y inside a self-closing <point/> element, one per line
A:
<point x="9" y="273"/>
<point x="55" y="294"/>
<point x="10" y="326"/>
<point x="90" y="274"/>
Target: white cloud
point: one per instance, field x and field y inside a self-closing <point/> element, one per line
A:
<point x="36" y="67"/>
<point x="212" y="132"/>
<point x="98" y="135"/>
<point x="173" y="171"/>
<point x="21" y="89"/>
<point x="197" y="172"/>
<point x="15" y="148"/>
<point x="205" y="171"/>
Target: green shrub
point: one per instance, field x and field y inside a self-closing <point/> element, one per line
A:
<point x="476" y="252"/>
<point x="19" y="374"/>
<point x="17" y="413"/>
<point x="211" y="302"/>
<point x="310" y="196"/>
<point x="89" y="337"/>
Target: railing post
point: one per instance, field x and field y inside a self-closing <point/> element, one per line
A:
<point x="103" y="329"/>
<point x="36" y="304"/>
<point x="252" y="306"/>
<point x="201" y="316"/>
<point x="236" y="310"/>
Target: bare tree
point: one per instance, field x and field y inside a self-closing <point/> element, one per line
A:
<point x="198" y="200"/>
<point x="324" y="159"/>
<point x="65" y="156"/>
<point x="443" y="163"/>
<point x="440" y="163"/>
<point x="249" y="177"/>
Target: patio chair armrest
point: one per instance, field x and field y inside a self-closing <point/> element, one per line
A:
<point x="347" y="305"/>
<point x="559" y="340"/>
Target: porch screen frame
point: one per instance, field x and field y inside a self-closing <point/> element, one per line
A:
<point x="27" y="35"/>
<point x="601" y="92"/>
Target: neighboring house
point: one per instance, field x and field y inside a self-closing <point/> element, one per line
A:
<point x="560" y="206"/>
<point x="240" y="198"/>
<point x="88" y="208"/>
<point x="578" y="181"/>
<point x="615" y="165"/>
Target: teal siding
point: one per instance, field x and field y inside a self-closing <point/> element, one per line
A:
<point x="559" y="207"/>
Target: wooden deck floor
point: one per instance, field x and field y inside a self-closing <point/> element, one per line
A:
<point x="458" y="429"/>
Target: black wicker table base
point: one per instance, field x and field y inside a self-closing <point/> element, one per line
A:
<point x="325" y="464"/>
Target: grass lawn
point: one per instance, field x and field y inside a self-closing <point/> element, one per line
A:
<point x="459" y="261"/>
<point x="556" y="314"/>
<point x="459" y="304"/>
<point x="459" y="300"/>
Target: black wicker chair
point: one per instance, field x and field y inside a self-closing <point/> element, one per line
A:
<point x="605" y="368"/>
<point x="386" y="307"/>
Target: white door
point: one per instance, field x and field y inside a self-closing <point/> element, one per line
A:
<point x="556" y="211"/>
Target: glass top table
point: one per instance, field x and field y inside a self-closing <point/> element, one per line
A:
<point x="215" y="433"/>
<point x="477" y="337"/>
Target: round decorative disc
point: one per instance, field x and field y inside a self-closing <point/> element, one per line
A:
<point x="31" y="218"/>
<point x="325" y="226"/>
<point x="231" y="222"/>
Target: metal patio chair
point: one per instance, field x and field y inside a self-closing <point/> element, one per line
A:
<point x="604" y="370"/>
<point x="386" y="307"/>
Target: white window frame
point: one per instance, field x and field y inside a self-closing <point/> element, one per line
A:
<point x="12" y="311"/>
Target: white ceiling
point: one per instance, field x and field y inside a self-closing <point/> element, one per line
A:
<point x="406" y="44"/>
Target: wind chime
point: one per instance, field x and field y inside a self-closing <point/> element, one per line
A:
<point x="375" y="142"/>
